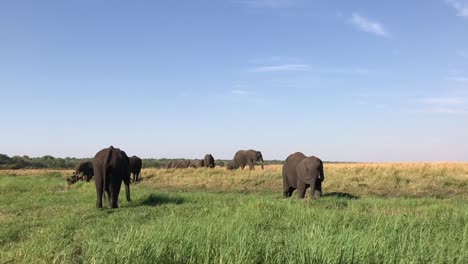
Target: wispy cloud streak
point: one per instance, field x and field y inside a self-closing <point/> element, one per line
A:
<point x="281" y="68"/>
<point x="443" y="100"/>
<point x="445" y="105"/>
<point x="458" y="79"/>
<point x="239" y="92"/>
<point x="364" y="24"/>
<point x="460" y="6"/>
<point x="309" y="68"/>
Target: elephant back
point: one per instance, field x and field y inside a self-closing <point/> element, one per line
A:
<point x="209" y="161"/>
<point x="135" y="164"/>
<point x="308" y="169"/>
<point x="290" y="164"/>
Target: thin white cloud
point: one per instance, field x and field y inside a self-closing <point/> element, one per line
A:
<point x="309" y="68"/>
<point x="353" y="70"/>
<point x="281" y="68"/>
<point x="444" y="101"/>
<point x="445" y="110"/>
<point x="445" y="105"/>
<point x="372" y="94"/>
<point x="267" y="3"/>
<point x="365" y="24"/>
<point x="239" y="92"/>
<point x="277" y="60"/>
<point x="460" y="6"/>
<point x="458" y="79"/>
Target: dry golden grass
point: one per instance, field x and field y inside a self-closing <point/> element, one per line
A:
<point x="398" y="179"/>
<point x="369" y="179"/>
<point x="360" y="179"/>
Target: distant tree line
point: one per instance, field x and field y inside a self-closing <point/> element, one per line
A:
<point x="26" y="162"/>
<point x="49" y="162"/>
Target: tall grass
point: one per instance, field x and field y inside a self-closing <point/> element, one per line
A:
<point x="366" y="180"/>
<point x="183" y="221"/>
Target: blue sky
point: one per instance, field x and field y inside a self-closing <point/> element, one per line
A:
<point x="342" y="80"/>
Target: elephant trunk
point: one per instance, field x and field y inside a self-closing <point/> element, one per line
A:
<point x="261" y="160"/>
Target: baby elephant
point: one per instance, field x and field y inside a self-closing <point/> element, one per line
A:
<point x="301" y="172"/>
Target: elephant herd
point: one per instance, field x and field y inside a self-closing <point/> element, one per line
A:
<point x="207" y="162"/>
<point x="111" y="166"/>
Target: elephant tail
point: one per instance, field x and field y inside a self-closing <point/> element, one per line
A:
<point x="106" y="168"/>
<point x="321" y="174"/>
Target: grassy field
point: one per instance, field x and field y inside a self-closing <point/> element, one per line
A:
<point x="370" y="213"/>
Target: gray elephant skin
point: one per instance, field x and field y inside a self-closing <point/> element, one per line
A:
<point x="231" y="166"/>
<point x="179" y="164"/>
<point x="135" y="167"/>
<point x="183" y="164"/>
<point x="110" y="167"/>
<point x="209" y="161"/>
<point x="243" y="158"/>
<point x="196" y="163"/>
<point x="83" y="168"/>
<point x="301" y="172"/>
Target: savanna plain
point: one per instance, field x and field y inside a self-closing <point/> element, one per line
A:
<point x="369" y="213"/>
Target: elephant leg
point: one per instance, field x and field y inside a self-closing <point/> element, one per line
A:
<point x="287" y="190"/>
<point x="126" y="181"/>
<point x="290" y="191"/>
<point x="312" y="189"/>
<point x="113" y="199"/>
<point x="109" y="196"/>
<point x="99" y="192"/>
<point x="251" y="165"/>
<point x="318" y="188"/>
<point x="115" y="190"/>
<point x="301" y="189"/>
<point x="127" y="192"/>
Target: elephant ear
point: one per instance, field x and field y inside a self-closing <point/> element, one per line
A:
<point x="305" y="173"/>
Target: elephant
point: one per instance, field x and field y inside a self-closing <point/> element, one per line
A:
<point x="209" y="161"/>
<point x="135" y="167"/>
<point x="301" y="172"/>
<point x="83" y="168"/>
<point x="231" y="166"/>
<point x="196" y="163"/>
<point x="247" y="157"/>
<point x="180" y="164"/>
<point x="110" y="167"/>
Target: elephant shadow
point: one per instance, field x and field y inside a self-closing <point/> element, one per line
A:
<point x="341" y="195"/>
<point x="157" y="199"/>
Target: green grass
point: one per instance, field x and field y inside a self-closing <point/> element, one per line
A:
<point x="42" y="222"/>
